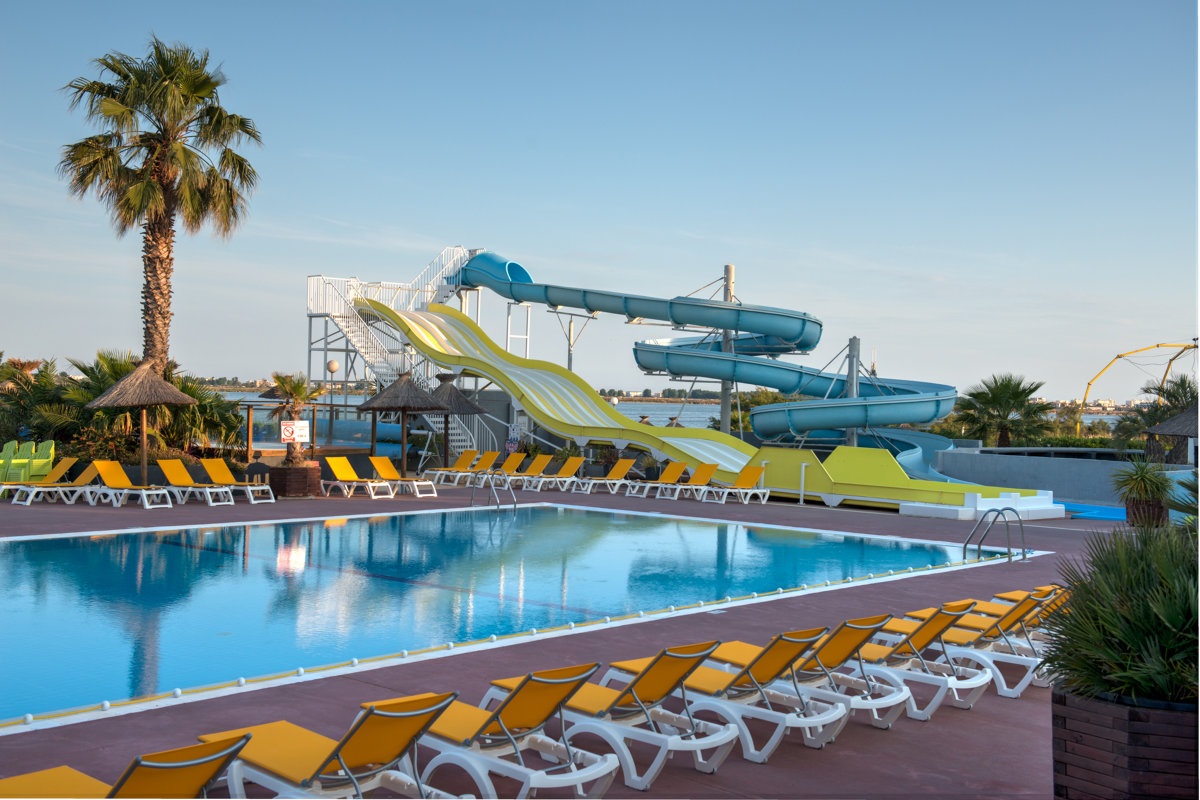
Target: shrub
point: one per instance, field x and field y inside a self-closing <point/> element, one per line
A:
<point x="94" y="441"/>
<point x="1131" y="620"/>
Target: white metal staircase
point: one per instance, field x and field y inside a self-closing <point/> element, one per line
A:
<point x="334" y="298"/>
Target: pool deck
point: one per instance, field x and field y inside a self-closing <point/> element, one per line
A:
<point x="999" y="749"/>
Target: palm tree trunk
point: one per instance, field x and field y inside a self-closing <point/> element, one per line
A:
<point x="158" y="262"/>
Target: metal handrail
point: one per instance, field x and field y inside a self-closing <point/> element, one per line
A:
<point x="996" y="514"/>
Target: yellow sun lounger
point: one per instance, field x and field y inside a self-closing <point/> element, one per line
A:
<point x="990" y="641"/>
<point x="738" y="696"/>
<point x="505" y="740"/>
<point x="634" y="713"/>
<point x="821" y="675"/>
<point x="183" y="486"/>
<point x="117" y="487"/>
<point x="902" y="658"/>
<point x="535" y="469"/>
<point x="379" y="750"/>
<point x="745" y="488"/>
<point x="218" y="473"/>
<point x="613" y="481"/>
<point x="67" y="491"/>
<point x="386" y="470"/>
<point x="464" y="460"/>
<point x="669" y="476"/>
<point x="701" y="475"/>
<point x="183" y="772"/>
<point x="486" y="461"/>
<point x="346" y="480"/>
<point x="560" y="480"/>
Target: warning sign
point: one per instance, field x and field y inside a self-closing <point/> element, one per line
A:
<point x="293" y="431"/>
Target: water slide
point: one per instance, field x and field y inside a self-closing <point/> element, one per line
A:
<point x="560" y="401"/>
<point x="765" y="331"/>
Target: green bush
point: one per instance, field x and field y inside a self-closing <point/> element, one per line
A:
<point x="1064" y="441"/>
<point x="1130" y="624"/>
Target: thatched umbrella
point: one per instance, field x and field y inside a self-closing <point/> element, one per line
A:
<point x="141" y="389"/>
<point x="456" y="403"/>
<point x="406" y="397"/>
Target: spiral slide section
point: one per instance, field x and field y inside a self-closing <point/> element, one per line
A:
<point x="765" y="331"/>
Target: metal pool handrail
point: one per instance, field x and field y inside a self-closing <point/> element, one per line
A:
<point x="996" y="514"/>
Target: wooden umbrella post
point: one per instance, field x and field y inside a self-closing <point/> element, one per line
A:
<point x="403" y="443"/>
<point x="374" y="420"/>
<point x="145" y="470"/>
<point x="445" y="440"/>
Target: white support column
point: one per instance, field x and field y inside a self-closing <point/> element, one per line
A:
<point x="727" y="347"/>
<point x="852" y="360"/>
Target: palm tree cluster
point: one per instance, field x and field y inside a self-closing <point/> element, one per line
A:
<point x="164" y="151"/>
<point x="1171" y="398"/>
<point x="41" y="404"/>
<point x="1001" y="408"/>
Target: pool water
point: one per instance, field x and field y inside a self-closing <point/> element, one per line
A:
<point x="88" y="619"/>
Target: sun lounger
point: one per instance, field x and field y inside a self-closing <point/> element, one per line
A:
<point x="535" y="469"/>
<point x="182" y="486"/>
<point x="379" y="750"/>
<point x="505" y="740"/>
<point x="634" y="713"/>
<point x="902" y="658"/>
<point x="17" y="465"/>
<point x="670" y="474"/>
<point x="745" y="488"/>
<point x="701" y="475"/>
<point x="346" y="480"/>
<point x="436" y="474"/>
<point x="41" y="461"/>
<point x="183" y="772"/>
<point x="117" y="487"/>
<point x="823" y="674"/>
<point x="67" y="491"/>
<point x="559" y="480"/>
<point x="989" y="642"/>
<point x="613" y="481"/>
<point x="218" y="473"/>
<point x="486" y="461"/>
<point x="741" y="695"/>
<point x="386" y="470"/>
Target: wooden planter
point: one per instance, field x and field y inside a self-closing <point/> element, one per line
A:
<point x="1108" y="747"/>
<point x="1145" y="512"/>
<point x="303" y="481"/>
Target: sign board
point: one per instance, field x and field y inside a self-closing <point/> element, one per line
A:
<point x="294" y="431"/>
<point x="511" y="445"/>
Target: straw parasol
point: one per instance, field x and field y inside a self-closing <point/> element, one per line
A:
<point x="456" y="403"/>
<point x="406" y="397"/>
<point x="141" y="389"/>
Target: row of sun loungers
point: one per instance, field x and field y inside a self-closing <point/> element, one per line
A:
<point x="105" y="481"/>
<point x="536" y="478"/>
<point x="806" y="681"/>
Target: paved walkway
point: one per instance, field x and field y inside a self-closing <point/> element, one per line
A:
<point x="999" y="749"/>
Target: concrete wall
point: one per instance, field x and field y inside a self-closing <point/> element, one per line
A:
<point x="1071" y="479"/>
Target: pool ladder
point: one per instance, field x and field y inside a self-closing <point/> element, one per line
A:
<point x="491" y="479"/>
<point x="992" y="516"/>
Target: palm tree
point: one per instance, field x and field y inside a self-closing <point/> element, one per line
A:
<point x="1003" y="405"/>
<point x="164" y="150"/>
<point x="296" y="395"/>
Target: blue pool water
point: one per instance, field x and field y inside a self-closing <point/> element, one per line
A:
<point x="87" y="619"/>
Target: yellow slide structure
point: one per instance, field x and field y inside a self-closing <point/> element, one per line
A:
<point x="561" y="402"/>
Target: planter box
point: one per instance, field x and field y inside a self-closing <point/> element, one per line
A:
<point x="302" y="481"/>
<point x="1110" y="748"/>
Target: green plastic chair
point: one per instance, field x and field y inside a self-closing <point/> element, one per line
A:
<point x="42" y="461"/>
<point x="18" y="465"/>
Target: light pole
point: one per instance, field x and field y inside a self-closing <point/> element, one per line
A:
<point x="332" y="368"/>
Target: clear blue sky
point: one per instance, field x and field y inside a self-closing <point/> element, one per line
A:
<point x="970" y="188"/>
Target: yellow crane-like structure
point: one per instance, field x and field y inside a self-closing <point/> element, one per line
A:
<point x="1183" y="348"/>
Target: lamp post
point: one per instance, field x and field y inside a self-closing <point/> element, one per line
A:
<point x="332" y="368"/>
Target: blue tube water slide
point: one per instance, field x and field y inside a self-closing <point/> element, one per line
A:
<point x="764" y="331"/>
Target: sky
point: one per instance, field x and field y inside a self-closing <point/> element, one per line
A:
<point x="969" y="188"/>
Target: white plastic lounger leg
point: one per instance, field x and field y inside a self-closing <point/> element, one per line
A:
<point x="990" y="660"/>
<point x="818" y="722"/>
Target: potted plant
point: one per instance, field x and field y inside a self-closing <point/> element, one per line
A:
<point x="1144" y="488"/>
<point x="648" y="464"/>
<point x="1122" y="658"/>
<point x="296" y="477"/>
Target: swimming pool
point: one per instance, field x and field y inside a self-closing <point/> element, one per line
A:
<point x="93" y="618"/>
